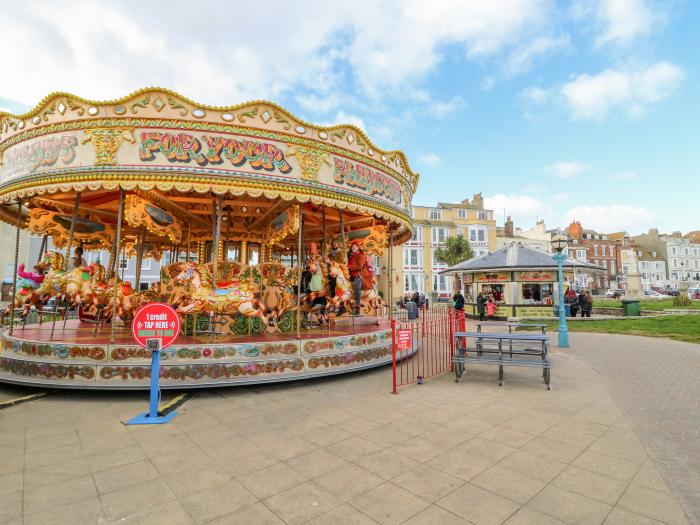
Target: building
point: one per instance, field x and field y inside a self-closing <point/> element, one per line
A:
<point x="590" y="246"/>
<point x="622" y="241"/>
<point x="536" y="237"/>
<point x="683" y="256"/>
<point x="7" y="255"/>
<point x="417" y="269"/>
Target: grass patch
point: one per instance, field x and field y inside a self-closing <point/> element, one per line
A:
<point x="677" y="327"/>
<point x="646" y="304"/>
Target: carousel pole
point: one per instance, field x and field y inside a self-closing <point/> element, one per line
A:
<point x="42" y="248"/>
<point x="216" y="237"/>
<point x="117" y="240"/>
<point x="74" y="217"/>
<point x="342" y="236"/>
<point x="228" y="237"/>
<point x="14" y="273"/>
<point x="112" y="259"/>
<point x="139" y="258"/>
<point x="324" y="250"/>
<point x="189" y="238"/>
<point x="300" y="241"/>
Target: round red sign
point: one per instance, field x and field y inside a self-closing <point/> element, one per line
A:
<point x="155" y="321"/>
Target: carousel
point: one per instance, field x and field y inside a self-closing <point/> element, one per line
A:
<point x="266" y="227"/>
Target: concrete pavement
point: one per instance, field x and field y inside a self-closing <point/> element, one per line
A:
<point x="340" y="450"/>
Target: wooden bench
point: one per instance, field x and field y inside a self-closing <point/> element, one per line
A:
<point x="510" y="326"/>
<point x="502" y="349"/>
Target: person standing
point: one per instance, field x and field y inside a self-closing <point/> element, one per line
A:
<point x="572" y="300"/>
<point x="586" y="302"/>
<point x="491" y="308"/>
<point x="481" y="305"/>
<point x="359" y="274"/>
<point x="458" y="302"/>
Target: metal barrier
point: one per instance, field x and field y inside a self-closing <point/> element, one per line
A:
<point x="424" y="347"/>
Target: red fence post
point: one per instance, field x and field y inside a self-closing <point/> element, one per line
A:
<point x="452" y="339"/>
<point x="393" y="353"/>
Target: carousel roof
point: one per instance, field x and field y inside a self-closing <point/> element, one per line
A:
<point x="515" y="256"/>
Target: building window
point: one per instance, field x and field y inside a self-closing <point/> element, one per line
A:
<point x="603" y="251"/>
<point x="435" y="214"/>
<point x="686" y="251"/>
<point x="437" y="264"/>
<point x="412" y="257"/>
<point x="612" y="251"/>
<point x="461" y="213"/>
<point x="653" y="254"/>
<point x="460" y="232"/>
<point x="612" y="267"/>
<point x="482" y="214"/>
<point x="123" y="263"/>
<point x="441" y="283"/>
<point x="413" y="282"/>
<point x="658" y="265"/>
<point x="581" y="254"/>
<point x="673" y="251"/>
<point x="417" y="234"/>
<point x="595" y="249"/>
<point x="439" y="235"/>
<point x="146" y="263"/>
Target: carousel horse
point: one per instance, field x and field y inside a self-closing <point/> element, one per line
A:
<point x="343" y="289"/>
<point x="278" y="291"/>
<point x="224" y="298"/>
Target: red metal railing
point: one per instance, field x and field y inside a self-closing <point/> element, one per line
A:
<point x="430" y="349"/>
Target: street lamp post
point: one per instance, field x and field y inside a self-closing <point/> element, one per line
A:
<point x="559" y="242"/>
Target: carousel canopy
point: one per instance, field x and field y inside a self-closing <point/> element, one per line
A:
<point x="175" y="158"/>
<point x="516" y="257"/>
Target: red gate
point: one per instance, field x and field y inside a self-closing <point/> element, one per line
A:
<point x="423" y="347"/>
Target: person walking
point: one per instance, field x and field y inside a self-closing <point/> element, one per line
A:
<point x="481" y="305"/>
<point x="586" y="302"/>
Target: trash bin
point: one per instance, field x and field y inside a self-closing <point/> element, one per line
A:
<point x="630" y="307"/>
<point x="411" y="310"/>
<point x="567" y="310"/>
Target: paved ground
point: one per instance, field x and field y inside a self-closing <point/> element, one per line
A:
<point x="656" y="382"/>
<point x="339" y="451"/>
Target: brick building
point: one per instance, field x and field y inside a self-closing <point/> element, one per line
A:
<point x="596" y="248"/>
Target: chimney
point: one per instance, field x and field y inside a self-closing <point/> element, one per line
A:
<point x="576" y="230"/>
<point x="508" y="230"/>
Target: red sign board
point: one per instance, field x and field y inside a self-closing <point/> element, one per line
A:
<point x="403" y="339"/>
<point x="156" y="321"/>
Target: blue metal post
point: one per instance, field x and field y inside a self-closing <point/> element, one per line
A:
<point x="151" y="417"/>
<point x="563" y="329"/>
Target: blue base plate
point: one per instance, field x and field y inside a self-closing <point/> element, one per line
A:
<point x="145" y="419"/>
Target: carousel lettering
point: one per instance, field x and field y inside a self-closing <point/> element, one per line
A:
<point x="42" y="153"/>
<point x="373" y="182"/>
<point x="183" y="147"/>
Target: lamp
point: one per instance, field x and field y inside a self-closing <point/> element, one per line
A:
<point x="559" y="242"/>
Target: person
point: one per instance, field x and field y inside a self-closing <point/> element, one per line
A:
<point x="77" y="260"/>
<point x="359" y="274"/>
<point x="458" y="302"/>
<point x="481" y="305"/>
<point x="572" y="300"/>
<point x="586" y="301"/>
<point x="334" y="253"/>
<point x="491" y="308"/>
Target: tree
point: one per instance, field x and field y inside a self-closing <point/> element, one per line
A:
<point x="456" y="250"/>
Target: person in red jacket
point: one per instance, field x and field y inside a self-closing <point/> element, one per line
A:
<point x="360" y="275"/>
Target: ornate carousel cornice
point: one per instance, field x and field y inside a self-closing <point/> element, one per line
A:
<point x="164" y="104"/>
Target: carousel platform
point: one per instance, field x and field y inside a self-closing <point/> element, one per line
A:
<point x="77" y="356"/>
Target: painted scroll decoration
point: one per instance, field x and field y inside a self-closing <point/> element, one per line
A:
<point x="139" y="212"/>
<point x="57" y="225"/>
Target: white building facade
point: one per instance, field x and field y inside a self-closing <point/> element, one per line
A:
<point x="683" y="261"/>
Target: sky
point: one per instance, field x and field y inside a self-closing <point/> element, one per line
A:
<point x="584" y="110"/>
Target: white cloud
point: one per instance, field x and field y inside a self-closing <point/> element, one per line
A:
<point x="522" y="208"/>
<point x="616" y="216"/>
<point x="592" y="97"/>
<point x="488" y="83"/>
<point x="344" y="118"/>
<point x="535" y="95"/>
<point x="103" y="50"/>
<point x="522" y="58"/>
<point x="442" y="109"/>
<point x="567" y="170"/>
<point x="431" y="159"/>
<point x="623" y="21"/>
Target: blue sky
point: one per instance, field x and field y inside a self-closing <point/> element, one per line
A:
<point x="561" y="110"/>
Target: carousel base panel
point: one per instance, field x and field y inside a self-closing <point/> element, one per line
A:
<point x="76" y="357"/>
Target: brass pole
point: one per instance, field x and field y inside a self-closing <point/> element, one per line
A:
<point x="139" y="257"/>
<point x="390" y="274"/>
<point x="117" y="240"/>
<point x="189" y="235"/>
<point x="217" y="237"/>
<point x="324" y="249"/>
<point x="42" y="248"/>
<point x="342" y="237"/>
<point x="71" y="231"/>
<point x="14" y="274"/>
<point x="300" y="241"/>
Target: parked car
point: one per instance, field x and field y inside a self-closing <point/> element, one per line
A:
<point x="653" y="294"/>
<point x="615" y="293"/>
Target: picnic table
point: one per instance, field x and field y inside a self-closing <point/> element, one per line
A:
<point x="502" y="348"/>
